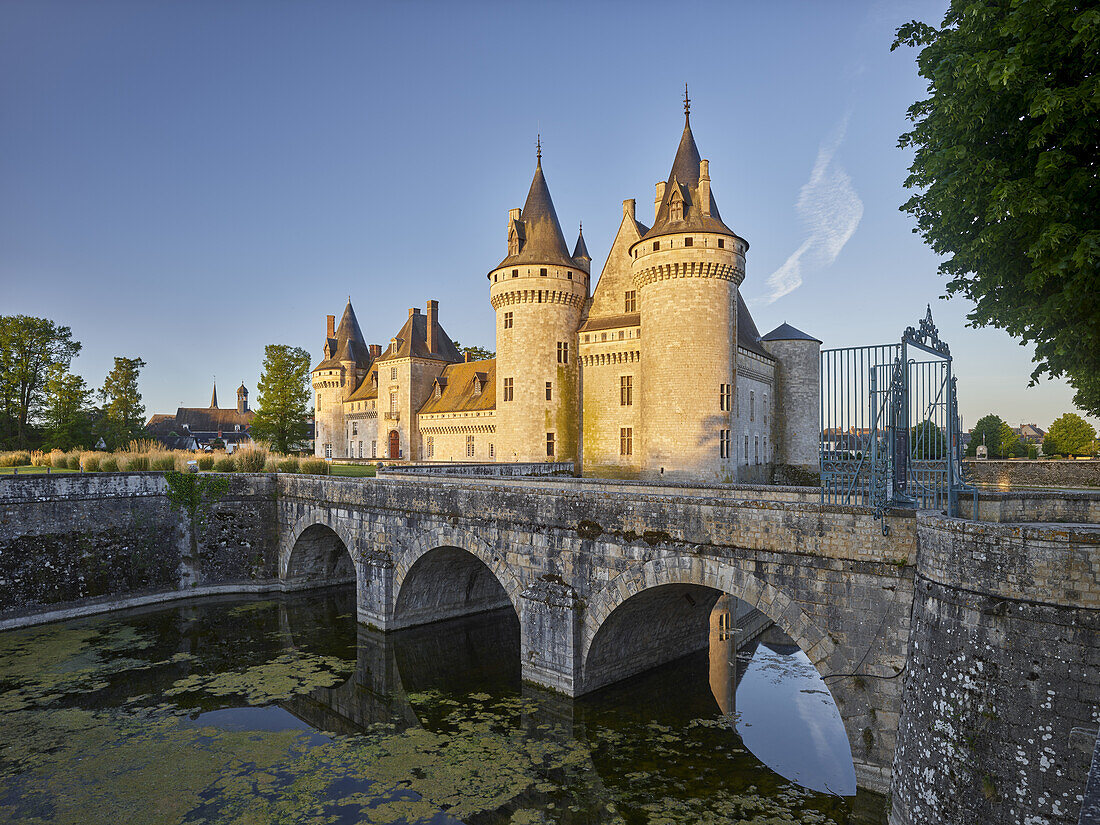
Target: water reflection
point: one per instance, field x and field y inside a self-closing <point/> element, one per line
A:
<point x="287" y="710"/>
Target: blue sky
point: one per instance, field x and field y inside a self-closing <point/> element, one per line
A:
<point x="189" y="181"/>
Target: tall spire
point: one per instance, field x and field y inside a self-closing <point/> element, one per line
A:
<point x="538" y="149"/>
<point x="214" y="396"/>
<point x="687" y="105"/>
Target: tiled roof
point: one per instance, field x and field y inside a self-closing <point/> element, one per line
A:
<point x="199" y="419"/>
<point x="412" y="340"/>
<point x="457" y="388"/>
<point x="748" y="336"/>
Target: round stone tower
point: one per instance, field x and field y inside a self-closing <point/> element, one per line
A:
<point x="796" y="432"/>
<point x="344" y="366"/>
<point x="686" y="271"/>
<point x="538" y="292"/>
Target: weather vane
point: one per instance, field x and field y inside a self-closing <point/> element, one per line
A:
<point x="687" y="101"/>
<point x="538" y="147"/>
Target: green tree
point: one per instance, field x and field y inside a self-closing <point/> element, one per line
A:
<point x="1069" y="435"/>
<point x="987" y="431"/>
<point x="1005" y="172"/>
<point x="124" y="413"/>
<point x="927" y="441"/>
<point x="1008" y="441"/>
<point x="29" y="347"/>
<point x="284" y="392"/>
<point x="475" y="353"/>
<point x="66" y="412"/>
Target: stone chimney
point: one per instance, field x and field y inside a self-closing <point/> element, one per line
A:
<point x="331" y="326"/>
<point x="375" y="351"/>
<point x="414" y="311"/>
<point x="660" y="197"/>
<point x="433" y="315"/>
<point x="628" y="208"/>
<point x="704" y="187"/>
<point x="513" y="215"/>
<point x="466" y="357"/>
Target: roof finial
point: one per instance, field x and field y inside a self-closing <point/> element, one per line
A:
<point x="687" y="104"/>
<point x="538" y="148"/>
<point x="580" y="227"/>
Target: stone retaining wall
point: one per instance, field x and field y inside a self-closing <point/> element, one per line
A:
<point x="1002" y="691"/>
<point x="1041" y="473"/>
<point x="78" y="537"/>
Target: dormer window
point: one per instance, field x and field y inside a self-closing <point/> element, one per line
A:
<point x="513" y="241"/>
<point x="676" y="206"/>
<point x="438" y="390"/>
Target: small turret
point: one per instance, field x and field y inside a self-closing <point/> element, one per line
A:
<point x="580" y="251"/>
<point x="242" y="398"/>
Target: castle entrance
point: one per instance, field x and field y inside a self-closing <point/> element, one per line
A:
<point x="395" y="444"/>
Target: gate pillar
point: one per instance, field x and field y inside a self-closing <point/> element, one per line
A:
<point x="551" y="619"/>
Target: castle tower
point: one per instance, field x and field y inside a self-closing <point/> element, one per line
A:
<point x="797" y="431"/>
<point x="686" y="271"/>
<point x="242" y="398"/>
<point x="343" y="368"/>
<point x="538" y="292"/>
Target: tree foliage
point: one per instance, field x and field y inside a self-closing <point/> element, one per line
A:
<point x="475" y="353"/>
<point x="67" y="412"/>
<point x="987" y="431"/>
<point x="29" y="348"/>
<point x="1070" y="435"/>
<point x="124" y="413"/>
<point x="284" y="392"/>
<point x="1006" y="147"/>
<point x="927" y="441"/>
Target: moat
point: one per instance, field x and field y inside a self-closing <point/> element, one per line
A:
<point x="272" y="710"/>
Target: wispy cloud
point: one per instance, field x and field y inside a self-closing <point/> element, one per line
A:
<point x="830" y="209"/>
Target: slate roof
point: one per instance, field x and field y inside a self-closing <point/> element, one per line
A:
<point x="198" y="420"/>
<point x="457" y="388"/>
<point x="348" y="345"/>
<point x="684" y="180"/>
<point x="366" y="391"/>
<point x="581" y="249"/>
<point x="412" y="340"/>
<point x="630" y="319"/>
<point x="541" y="238"/>
<point x="785" y="332"/>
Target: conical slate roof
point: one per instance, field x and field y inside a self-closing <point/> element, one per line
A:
<point x="214" y="397"/>
<point x="580" y="250"/>
<point x="543" y="241"/>
<point x="350" y="344"/>
<point x="683" y="180"/>
<point x="785" y="332"/>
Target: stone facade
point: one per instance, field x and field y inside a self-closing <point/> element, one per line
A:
<point x="1041" y="473"/>
<point x="659" y="373"/>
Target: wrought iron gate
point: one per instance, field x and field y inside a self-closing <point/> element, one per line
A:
<point x="890" y="424"/>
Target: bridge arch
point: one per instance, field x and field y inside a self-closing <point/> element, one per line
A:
<point x="317" y="551"/>
<point x="448" y="572"/>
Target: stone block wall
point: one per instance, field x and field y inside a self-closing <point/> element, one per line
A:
<point x="1002" y="692"/>
<point x="72" y="537"/>
<point x="1041" y="473"/>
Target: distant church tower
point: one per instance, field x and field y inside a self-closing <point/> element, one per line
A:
<point x="538" y="292"/>
<point x="242" y="398"/>
<point x="687" y="270"/>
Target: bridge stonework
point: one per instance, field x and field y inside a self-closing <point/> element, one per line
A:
<point x="606" y="586"/>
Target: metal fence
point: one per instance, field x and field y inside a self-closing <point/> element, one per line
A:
<point x="889" y="424"/>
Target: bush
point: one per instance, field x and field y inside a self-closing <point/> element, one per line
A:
<point x="57" y="459"/>
<point x="162" y="461"/>
<point x="271" y="465"/>
<point x="89" y="462"/>
<point x="73" y="461"/>
<point x="17" y="458"/>
<point x="109" y="464"/>
<point x="314" y="466"/>
<point x="206" y="463"/>
<point x="289" y="465"/>
<point x="134" y="462"/>
<point x="251" y="459"/>
<point x="225" y="465"/>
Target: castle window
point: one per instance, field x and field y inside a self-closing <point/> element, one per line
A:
<point x="360" y="449"/>
<point x="469" y="446"/>
<point x="492" y="451"/>
<point x="626" y="390"/>
<point x="507" y="389"/>
<point x="374" y="449"/>
<point x="746" y="449"/>
<point x="328" y="451"/>
<point x="656" y="246"/>
<point x="438" y="392"/>
<point x="724" y="398"/>
<point x="549" y="445"/>
<point x="630" y="301"/>
<point x="515" y="273"/>
<point x="549" y="391"/>
<point x="721" y="243"/>
<point x="586" y="339"/>
<point x="689" y="242"/>
<point x="354" y="428"/>
<point x="603" y="336"/>
<point x="393" y="402"/>
<point x="626" y="441"/>
<point x="756" y="448"/>
<point x="765" y="411"/>
<point x="676" y="211"/>
<point x="507" y="320"/>
<point x="542" y="272"/>
<point x="563" y="352"/>
<point x="431" y="446"/>
<point x="569" y="275"/>
<point x="752" y="406"/>
<point x="393" y="373"/>
<point x="765" y="449"/>
<point x="724" y="443"/>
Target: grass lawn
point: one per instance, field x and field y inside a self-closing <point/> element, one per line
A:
<point x="353" y="470"/>
<point x="7" y="471"/>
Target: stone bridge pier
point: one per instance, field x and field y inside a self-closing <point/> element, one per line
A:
<point x="607" y="586"/>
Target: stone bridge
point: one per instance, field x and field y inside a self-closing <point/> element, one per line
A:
<point x="609" y="580"/>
